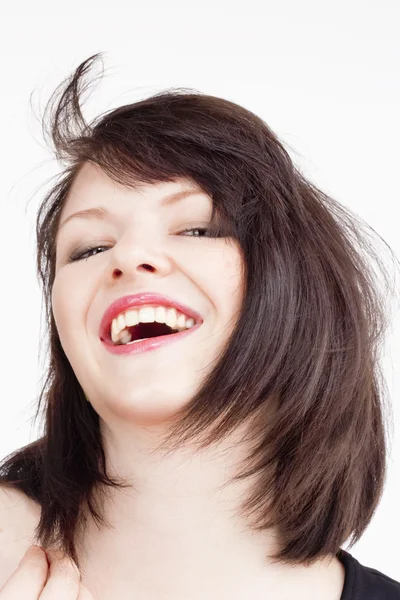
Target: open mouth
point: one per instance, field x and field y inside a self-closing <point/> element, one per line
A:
<point x="145" y="337"/>
<point x="144" y="331"/>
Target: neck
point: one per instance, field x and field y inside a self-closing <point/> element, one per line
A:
<point x="181" y="521"/>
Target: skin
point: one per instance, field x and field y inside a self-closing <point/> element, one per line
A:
<point x="176" y="533"/>
<point x="45" y="575"/>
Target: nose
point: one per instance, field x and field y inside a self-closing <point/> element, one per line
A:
<point x="117" y="271"/>
<point x="135" y="258"/>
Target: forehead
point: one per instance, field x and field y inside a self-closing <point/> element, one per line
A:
<point x="92" y="185"/>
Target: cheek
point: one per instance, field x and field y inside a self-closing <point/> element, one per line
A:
<point x="59" y="304"/>
<point x="226" y="283"/>
<point x="232" y="271"/>
<point x="67" y="308"/>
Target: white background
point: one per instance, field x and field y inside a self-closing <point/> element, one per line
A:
<point x="324" y="76"/>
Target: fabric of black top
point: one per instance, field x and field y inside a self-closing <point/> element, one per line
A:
<point x="365" y="583"/>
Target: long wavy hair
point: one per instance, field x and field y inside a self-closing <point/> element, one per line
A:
<point x="308" y="333"/>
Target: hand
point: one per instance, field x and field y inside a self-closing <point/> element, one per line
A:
<point x="35" y="579"/>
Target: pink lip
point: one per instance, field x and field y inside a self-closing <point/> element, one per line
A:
<point x="148" y="344"/>
<point x="140" y="299"/>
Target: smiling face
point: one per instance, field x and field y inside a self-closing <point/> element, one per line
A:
<point x="141" y="246"/>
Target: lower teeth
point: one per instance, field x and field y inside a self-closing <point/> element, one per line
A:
<point x="126" y="337"/>
<point x="135" y="342"/>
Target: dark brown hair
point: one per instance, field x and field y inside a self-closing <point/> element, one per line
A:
<point x="308" y="333"/>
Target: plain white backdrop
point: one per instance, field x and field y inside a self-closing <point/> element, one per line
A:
<point x="325" y="78"/>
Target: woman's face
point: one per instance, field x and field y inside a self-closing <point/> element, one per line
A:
<point x="203" y="273"/>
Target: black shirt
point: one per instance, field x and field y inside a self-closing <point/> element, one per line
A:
<point x="365" y="583"/>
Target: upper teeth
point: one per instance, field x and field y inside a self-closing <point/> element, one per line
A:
<point x="148" y="314"/>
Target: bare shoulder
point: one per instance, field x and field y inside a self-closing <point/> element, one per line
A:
<point x="19" y="516"/>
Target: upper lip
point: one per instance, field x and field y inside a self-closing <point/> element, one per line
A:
<point x="122" y="304"/>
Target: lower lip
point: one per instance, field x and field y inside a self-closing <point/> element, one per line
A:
<point x="148" y="344"/>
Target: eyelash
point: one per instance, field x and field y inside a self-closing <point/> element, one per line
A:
<point x="76" y="257"/>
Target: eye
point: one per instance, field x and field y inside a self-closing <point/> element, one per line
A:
<point x="87" y="253"/>
<point x="80" y="256"/>
<point x="195" y="229"/>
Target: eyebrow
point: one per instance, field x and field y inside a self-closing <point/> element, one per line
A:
<point x="100" y="212"/>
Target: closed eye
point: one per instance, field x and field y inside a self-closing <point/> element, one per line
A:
<point x="87" y="253"/>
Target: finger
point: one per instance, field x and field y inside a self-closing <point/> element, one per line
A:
<point x="63" y="582"/>
<point x="29" y="579"/>
<point x="84" y="593"/>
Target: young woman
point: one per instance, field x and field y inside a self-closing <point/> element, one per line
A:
<point x="214" y="417"/>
